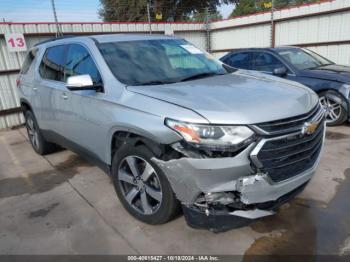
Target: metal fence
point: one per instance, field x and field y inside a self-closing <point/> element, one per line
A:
<point x="323" y="27"/>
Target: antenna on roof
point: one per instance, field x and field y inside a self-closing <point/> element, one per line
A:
<point x="58" y="32"/>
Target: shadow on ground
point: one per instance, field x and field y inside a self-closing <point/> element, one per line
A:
<point x="41" y="181"/>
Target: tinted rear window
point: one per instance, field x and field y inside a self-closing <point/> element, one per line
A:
<point x="28" y="61"/>
<point x="52" y="64"/>
<point x="239" y="60"/>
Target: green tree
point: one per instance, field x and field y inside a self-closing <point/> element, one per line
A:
<point x="245" y="7"/>
<point x="123" y="10"/>
<point x="201" y="16"/>
<point x="171" y="10"/>
<point x="281" y="3"/>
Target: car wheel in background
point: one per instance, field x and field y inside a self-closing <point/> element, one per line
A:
<point x="142" y="187"/>
<point x="335" y="107"/>
<point x="39" y="144"/>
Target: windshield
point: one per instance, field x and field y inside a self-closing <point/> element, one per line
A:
<point x="304" y="59"/>
<point x="158" y="61"/>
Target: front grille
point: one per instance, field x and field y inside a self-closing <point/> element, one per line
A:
<point x="288" y="125"/>
<point x="283" y="157"/>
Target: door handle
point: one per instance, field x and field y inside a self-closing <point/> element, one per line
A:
<point x="35" y="88"/>
<point x="65" y="96"/>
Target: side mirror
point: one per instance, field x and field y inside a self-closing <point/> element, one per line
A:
<point x="81" y="82"/>
<point x="281" y="71"/>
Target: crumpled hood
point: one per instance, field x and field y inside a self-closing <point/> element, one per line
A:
<point x="331" y="72"/>
<point x="239" y="98"/>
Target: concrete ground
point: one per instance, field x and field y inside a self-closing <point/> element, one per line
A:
<point x="60" y="204"/>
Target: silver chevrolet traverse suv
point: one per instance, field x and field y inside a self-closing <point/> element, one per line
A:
<point x="173" y="127"/>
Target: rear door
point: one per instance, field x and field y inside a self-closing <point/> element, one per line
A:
<point x="52" y="88"/>
<point x="242" y="60"/>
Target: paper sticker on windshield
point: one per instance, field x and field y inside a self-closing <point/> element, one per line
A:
<point x="209" y="56"/>
<point x="192" y="49"/>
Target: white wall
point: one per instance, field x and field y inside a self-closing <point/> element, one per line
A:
<point x="325" y="28"/>
<point x="254" y="30"/>
<point x="338" y="53"/>
<point x="251" y="36"/>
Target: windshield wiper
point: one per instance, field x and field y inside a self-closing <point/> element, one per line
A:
<point x="314" y="67"/>
<point x="155" y="82"/>
<point x="201" y="75"/>
<point x="192" y="77"/>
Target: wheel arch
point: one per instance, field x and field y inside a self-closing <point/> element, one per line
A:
<point x="25" y="105"/>
<point x="344" y="101"/>
<point x="133" y="137"/>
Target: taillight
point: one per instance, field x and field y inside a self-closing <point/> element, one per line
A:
<point x="18" y="82"/>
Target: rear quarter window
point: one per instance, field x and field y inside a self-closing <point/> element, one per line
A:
<point x="28" y="61"/>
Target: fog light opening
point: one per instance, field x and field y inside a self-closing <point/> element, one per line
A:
<point x="222" y="198"/>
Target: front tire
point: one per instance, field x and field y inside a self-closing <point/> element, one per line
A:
<point x="142" y="187"/>
<point x="335" y="106"/>
<point x="36" y="139"/>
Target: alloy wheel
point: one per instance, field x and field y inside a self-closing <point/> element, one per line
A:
<point x="333" y="109"/>
<point x="32" y="132"/>
<point x="140" y="185"/>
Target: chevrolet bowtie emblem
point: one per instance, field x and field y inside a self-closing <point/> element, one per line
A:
<point x="309" y="128"/>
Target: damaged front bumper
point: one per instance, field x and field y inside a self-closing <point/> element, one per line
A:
<point x="219" y="221"/>
<point x="232" y="184"/>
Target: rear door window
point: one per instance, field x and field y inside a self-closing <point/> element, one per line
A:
<point x="52" y="64"/>
<point x="80" y="62"/>
<point x="28" y="61"/>
<point x="266" y="62"/>
<point x="240" y="60"/>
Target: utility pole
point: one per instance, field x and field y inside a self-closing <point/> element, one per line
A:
<point x="207" y="28"/>
<point x="58" y="31"/>
<point x="272" y="29"/>
<point x="149" y="17"/>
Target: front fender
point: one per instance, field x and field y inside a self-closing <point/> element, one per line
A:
<point x="151" y="134"/>
<point x="321" y="85"/>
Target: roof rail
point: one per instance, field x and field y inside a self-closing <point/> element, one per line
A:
<point x="54" y="39"/>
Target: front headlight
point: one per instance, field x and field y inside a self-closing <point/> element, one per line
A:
<point x="213" y="136"/>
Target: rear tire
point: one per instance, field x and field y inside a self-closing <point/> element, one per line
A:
<point x="335" y="106"/>
<point x="129" y="164"/>
<point x="36" y="139"/>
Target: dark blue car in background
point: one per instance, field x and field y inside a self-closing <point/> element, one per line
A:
<point x="330" y="81"/>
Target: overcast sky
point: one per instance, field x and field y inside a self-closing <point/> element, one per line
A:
<point x="67" y="10"/>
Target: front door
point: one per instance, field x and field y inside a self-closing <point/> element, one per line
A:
<point x="83" y="110"/>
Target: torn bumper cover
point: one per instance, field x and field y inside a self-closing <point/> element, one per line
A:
<point x="234" y="188"/>
<point x="221" y="221"/>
